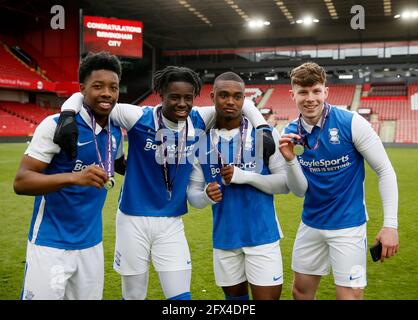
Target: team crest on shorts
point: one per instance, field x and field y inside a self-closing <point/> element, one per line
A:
<point x="333" y="136"/>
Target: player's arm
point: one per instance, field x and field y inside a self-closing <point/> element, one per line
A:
<point x="368" y="143"/>
<point x="248" y="109"/>
<point x="30" y="179"/>
<point x="199" y="194"/>
<point x="295" y="179"/>
<point x="66" y="134"/>
<point x="124" y="115"/>
<point x="254" y="115"/>
<point x="277" y="181"/>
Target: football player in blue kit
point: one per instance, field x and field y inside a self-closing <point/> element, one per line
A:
<point x="229" y="175"/>
<point x="149" y="224"/>
<point x="64" y="258"/>
<point x="333" y="146"/>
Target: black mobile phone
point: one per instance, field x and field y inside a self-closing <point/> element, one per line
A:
<point x="376" y="251"/>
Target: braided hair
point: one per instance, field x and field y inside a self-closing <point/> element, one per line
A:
<point x="170" y="74"/>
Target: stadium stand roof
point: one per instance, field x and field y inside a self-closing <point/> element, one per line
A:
<point x="197" y="24"/>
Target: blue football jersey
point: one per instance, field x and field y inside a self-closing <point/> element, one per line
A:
<point x="71" y="218"/>
<point x="144" y="191"/>
<point x="335" y="174"/>
<point x="246" y="216"/>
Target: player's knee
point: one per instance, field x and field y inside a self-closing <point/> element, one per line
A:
<point x="350" y="294"/>
<point x="182" y="296"/>
<point x="134" y="287"/>
<point x="237" y="298"/>
<point x="300" y="293"/>
<point x="358" y="294"/>
<point x="133" y="294"/>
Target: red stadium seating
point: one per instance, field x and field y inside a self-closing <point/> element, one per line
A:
<point x="12" y="125"/>
<point x="11" y="66"/>
<point x="399" y="111"/>
<point x="29" y="112"/>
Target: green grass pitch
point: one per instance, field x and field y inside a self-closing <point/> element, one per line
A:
<point x="396" y="278"/>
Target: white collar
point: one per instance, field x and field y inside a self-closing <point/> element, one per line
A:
<point x="86" y="117"/>
<point x="228" y="134"/>
<point x="173" y="125"/>
<point x="309" y="127"/>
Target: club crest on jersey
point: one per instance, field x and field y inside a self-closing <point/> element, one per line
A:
<point x="333" y="136"/>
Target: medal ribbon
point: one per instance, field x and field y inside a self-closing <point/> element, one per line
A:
<point x="304" y="136"/>
<point x="108" y="164"/>
<point x="179" y="150"/>
<point x="239" y="155"/>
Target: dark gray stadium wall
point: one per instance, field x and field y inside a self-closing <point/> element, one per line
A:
<point x="136" y="77"/>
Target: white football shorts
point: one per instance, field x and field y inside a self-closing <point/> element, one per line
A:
<point x="58" y="274"/>
<point x="259" y="265"/>
<point x="344" y="250"/>
<point x="140" y="239"/>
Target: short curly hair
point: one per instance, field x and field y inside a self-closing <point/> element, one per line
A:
<point x="98" y="61"/>
<point x="308" y="74"/>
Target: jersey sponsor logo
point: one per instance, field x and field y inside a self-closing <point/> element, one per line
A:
<point x="326" y="165"/>
<point x="80" y="144"/>
<point x="80" y="166"/>
<point x="333" y="136"/>
<point x="151" y="145"/>
<point x="168" y="152"/>
<point x="214" y="169"/>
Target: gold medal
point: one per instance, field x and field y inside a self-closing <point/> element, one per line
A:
<point x="298" y="149"/>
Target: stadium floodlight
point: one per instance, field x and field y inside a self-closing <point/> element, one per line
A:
<point x="407" y="15"/>
<point x="258" y="23"/>
<point x="307" y="21"/>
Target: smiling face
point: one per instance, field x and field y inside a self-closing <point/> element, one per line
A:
<point x="177" y="100"/>
<point x="228" y="97"/>
<point x="101" y="92"/>
<point x="310" y="101"/>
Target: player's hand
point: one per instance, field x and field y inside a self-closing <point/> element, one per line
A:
<point x="66" y="134"/>
<point x="390" y="242"/>
<point x="92" y="176"/>
<point x="286" y="145"/>
<point x="227" y="172"/>
<point x="269" y="146"/>
<point x="213" y="190"/>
